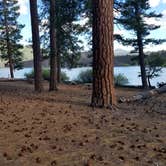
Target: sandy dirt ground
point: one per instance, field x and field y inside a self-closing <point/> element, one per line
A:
<point x="61" y="129"/>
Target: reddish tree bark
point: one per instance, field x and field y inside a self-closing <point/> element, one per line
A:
<point x="103" y="94"/>
<point x="36" y="46"/>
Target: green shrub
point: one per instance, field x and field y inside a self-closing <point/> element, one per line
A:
<point x="46" y="75"/>
<point x="29" y="75"/>
<point x="64" y="77"/>
<point x="85" y="76"/>
<point x="120" y="79"/>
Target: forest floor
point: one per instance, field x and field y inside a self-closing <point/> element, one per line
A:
<point x="61" y="129"/>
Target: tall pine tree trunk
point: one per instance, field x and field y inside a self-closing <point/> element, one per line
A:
<point x="140" y="50"/>
<point x="36" y="46"/>
<point x="11" y="66"/>
<point x="142" y="61"/>
<point x="58" y="57"/>
<point x="58" y="66"/>
<point x="103" y="84"/>
<point x="53" y="47"/>
<point x="9" y="54"/>
<point x="149" y="84"/>
<point x="8" y="43"/>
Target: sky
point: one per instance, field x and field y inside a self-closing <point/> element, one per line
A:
<point x="158" y="5"/>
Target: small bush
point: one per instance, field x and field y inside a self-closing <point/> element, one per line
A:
<point x="64" y="77"/>
<point x="29" y="75"/>
<point x="120" y="79"/>
<point x="46" y="75"/>
<point x="85" y="76"/>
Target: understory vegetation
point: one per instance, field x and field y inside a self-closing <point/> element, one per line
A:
<point x="46" y="75"/>
<point x="83" y="77"/>
<point x="86" y="77"/>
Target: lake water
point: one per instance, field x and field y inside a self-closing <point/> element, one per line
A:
<point x="130" y="72"/>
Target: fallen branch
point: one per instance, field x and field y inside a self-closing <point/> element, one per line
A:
<point x="143" y="95"/>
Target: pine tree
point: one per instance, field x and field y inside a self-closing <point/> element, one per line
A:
<point x="53" y="47"/>
<point x="68" y="49"/>
<point x="134" y="17"/>
<point x="154" y="64"/>
<point x="103" y="83"/>
<point x="36" y="45"/>
<point x="10" y="34"/>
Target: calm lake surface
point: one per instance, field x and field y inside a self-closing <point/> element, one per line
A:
<point x="130" y="72"/>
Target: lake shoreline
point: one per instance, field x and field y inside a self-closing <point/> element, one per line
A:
<point x="131" y="72"/>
